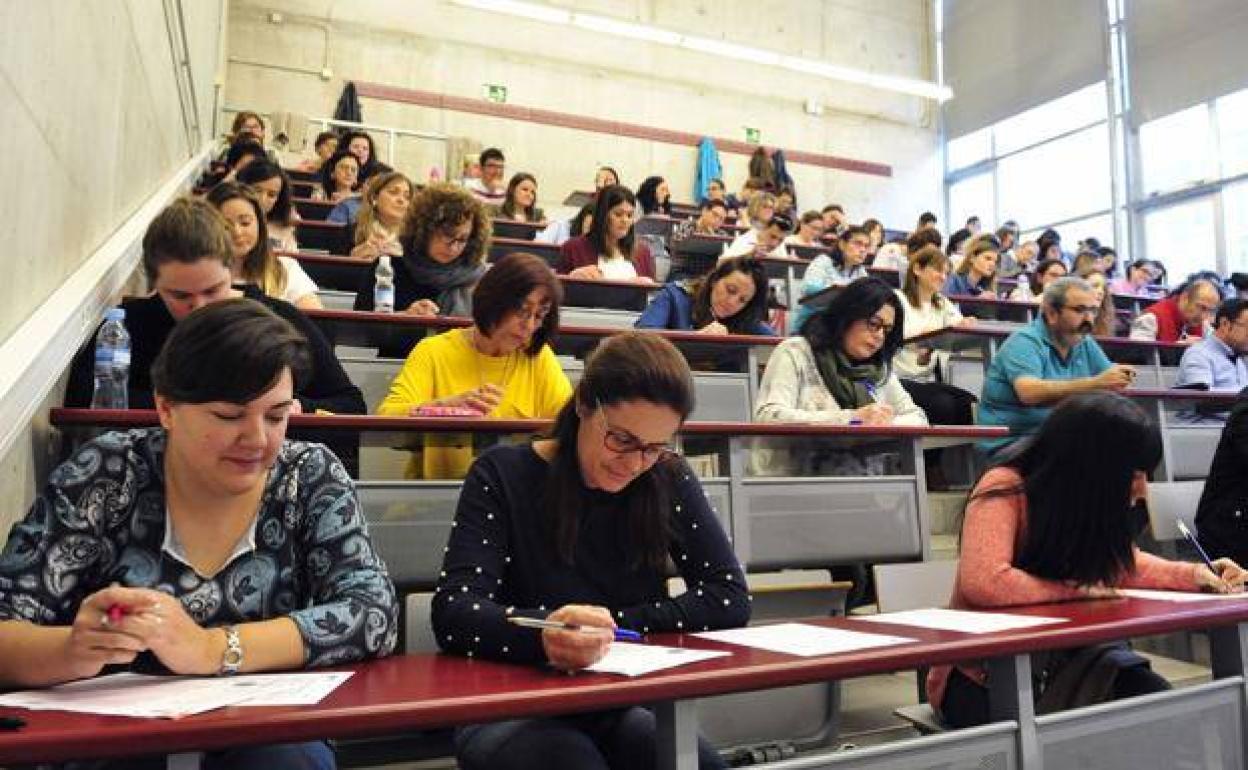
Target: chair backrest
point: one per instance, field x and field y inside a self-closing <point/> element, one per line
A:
<point x="419" y="631"/>
<point x="1169" y="502"/>
<point x="914" y="585"/>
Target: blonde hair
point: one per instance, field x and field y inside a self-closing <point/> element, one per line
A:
<point x="260" y="265"/>
<point x="759" y="201"/>
<point x="368" y="205"/>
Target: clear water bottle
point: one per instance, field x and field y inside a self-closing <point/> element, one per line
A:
<point x="383" y="286"/>
<point x="112" y="362"/>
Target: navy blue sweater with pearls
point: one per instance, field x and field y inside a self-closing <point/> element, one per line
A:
<point x="501" y="561"/>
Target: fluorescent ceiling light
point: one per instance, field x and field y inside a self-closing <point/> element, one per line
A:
<point x="722" y="48"/>
<point x="625" y="29"/>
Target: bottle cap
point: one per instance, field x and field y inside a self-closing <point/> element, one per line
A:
<point x="115" y="314"/>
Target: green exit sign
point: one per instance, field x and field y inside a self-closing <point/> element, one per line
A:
<point x="494" y="92"/>
<point x="753" y="135"/>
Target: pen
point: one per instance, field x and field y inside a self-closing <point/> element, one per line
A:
<point x="621" y="634"/>
<point x="1187" y="533"/>
<point x="869" y="386"/>
<point x="116" y="612"/>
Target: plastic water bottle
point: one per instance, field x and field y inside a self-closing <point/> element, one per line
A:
<point x="112" y="362"/>
<point x="383" y="286"/>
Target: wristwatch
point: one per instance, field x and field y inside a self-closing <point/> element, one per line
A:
<point x="232" y="658"/>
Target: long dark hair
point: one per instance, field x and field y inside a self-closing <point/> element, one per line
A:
<point x="648" y="197"/>
<point x="858" y="301"/>
<point x="327" y="171"/>
<point x="609" y="198"/>
<point x="1077" y="473"/>
<point x="262" y="171"/>
<point x="747" y="319"/>
<point x="631" y="366"/>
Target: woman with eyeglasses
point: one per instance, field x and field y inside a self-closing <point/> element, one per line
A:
<point x="501" y="366"/>
<point x="580" y="527"/>
<point x="839" y="369"/>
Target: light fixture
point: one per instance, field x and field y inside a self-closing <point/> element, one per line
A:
<point x="722" y="48"/>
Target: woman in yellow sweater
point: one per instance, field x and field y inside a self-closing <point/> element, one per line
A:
<point x="499" y="367"/>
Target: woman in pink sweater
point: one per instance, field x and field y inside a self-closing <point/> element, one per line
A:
<point x="1055" y="522"/>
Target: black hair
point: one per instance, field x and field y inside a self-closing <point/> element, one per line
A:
<point x="783" y="221"/>
<point x="927" y="217"/>
<point x="928" y="236"/>
<point x="491" y="153"/>
<point x="859" y="301"/>
<point x="1230" y="310"/>
<point x="233" y="350"/>
<point x="242" y="148"/>
<point x="957" y="239"/>
<point x="327" y="170"/>
<point x="1077" y="472"/>
<point x="373" y="165"/>
<point x="577" y="225"/>
<point x="262" y="171"/>
<point x="747" y="319"/>
<point x="631" y="366"/>
<point x="838" y="256"/>
<point x="648" y="197"/>
<point x="608" y="198"/>
<point x="710" y="203"/>
<point x="324" y="137"/>
<point x="1042" y="267"/>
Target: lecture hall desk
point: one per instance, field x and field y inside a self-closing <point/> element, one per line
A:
<point x="1203" y="724"/>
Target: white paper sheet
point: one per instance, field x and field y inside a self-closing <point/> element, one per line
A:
<point x="632" y="659"/>
<point x="1177" y="596"/>
<point x="140" y="695"/>
<point x="966" y="621"/>
<point x="802" y="640"/>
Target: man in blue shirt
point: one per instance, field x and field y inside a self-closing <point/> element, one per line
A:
<point x="1217" y="362"/>
<point x="1048" y="359"/>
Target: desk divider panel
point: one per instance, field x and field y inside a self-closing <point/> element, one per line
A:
<point x="410" y="523"/>
<point x="1197" y="727"/>
<point x="991" y="747"/>
<point x="1192" y="448"/>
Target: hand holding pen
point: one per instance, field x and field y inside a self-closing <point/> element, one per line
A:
<point x="1224" y="576"/>
<point x="572" y="650"/>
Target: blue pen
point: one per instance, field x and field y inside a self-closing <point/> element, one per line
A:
<point x="1187" y="533"/>
<point x="621" y="634"/>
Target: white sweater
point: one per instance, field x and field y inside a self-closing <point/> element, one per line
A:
<point x="919" y="320"/>
<point x="792" y="390"/>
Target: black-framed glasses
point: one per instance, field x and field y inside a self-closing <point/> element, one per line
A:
<point x="1083" y="309"/>
<point x="622" y="442"/>
<point x="876" y="326"/>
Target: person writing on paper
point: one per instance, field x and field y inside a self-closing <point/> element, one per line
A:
<point x="839" y="369"/>
<point x="501" y="366"/>
<point x="1054" y="522"/>
<point x="1047" y="360"/>
<point x="731" y="299"/>
<point x="580" y="527"/>
<point x="208" y="545"/>
<point x="610" y="249"/>
<point x="841" y="267"/>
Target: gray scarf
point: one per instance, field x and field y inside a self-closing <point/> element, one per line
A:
<point x="452" y="283"/>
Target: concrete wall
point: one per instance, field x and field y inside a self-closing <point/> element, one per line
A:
<point x="433" y="45"/>
<point x="94" y="123"/>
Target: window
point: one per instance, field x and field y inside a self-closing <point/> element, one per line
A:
<point x="1235" y="219"/>
<point x="1182" y="237"/>
<point x="969" y="197"/>
<point x="969" y="149"/>
<point x="1081" y="108"/>
<point x="1232" y="112"/>
<point x="1177" y="151"/>
<point x="1057" y="181"/>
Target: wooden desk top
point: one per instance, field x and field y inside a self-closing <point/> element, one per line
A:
<point x="426" y="691"/>
<point x="140" y="418"/>
<point x="984" y="329"/>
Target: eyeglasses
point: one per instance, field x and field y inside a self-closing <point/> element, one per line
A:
<point x="876" y="326"/>
<point x="622" y="442"/>
<point x="1082" y="309"/>
<point x="535" y="314"/>
<point x="453" y="240"/>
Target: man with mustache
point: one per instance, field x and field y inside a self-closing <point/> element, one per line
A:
<point x="1050" y="358"/>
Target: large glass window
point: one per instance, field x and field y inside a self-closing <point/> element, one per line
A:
<point x="1182" y="236"/>
<point x="1235" y="219"/>
<point x="972" y="196"/>
<point x="1081" y="108"/>
<point x="1232" y="112"/>
<point x="1056" y="181"/>
<point x="969" y="149"/>
<point x="1177" y="151"/>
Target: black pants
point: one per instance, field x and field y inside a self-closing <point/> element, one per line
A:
<point x="943" y="404"/>
<point x="966" y="702"/>
<point x="610" y="740"/>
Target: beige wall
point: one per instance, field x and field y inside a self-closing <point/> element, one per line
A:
<point x="433" y="45"/>
<point x="93" y="124"/>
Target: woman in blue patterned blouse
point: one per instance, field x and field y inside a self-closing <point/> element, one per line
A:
<point x="209" y="545"/>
